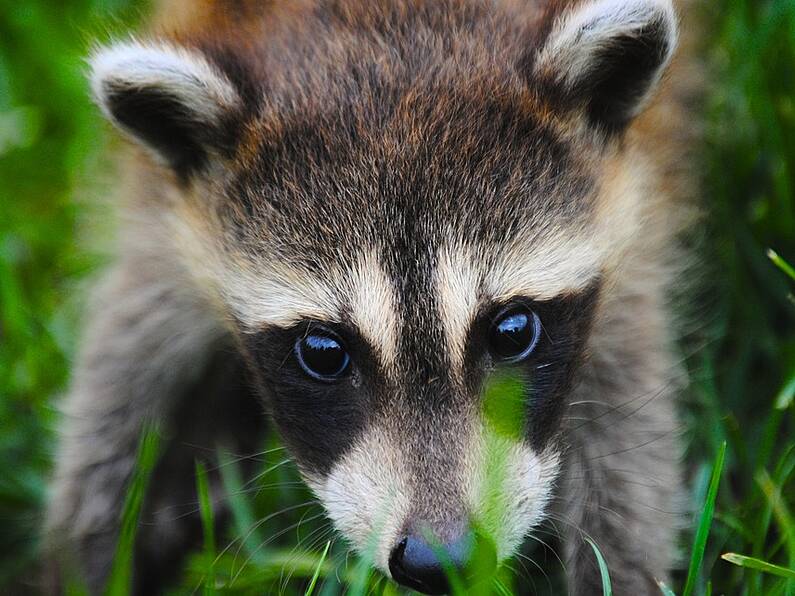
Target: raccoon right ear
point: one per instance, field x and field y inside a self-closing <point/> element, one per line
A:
<point x="604" y="57"/>
<point x="170" y="99"/>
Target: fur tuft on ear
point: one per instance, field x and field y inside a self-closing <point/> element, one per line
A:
<point x="606" y="57"/>
<point x="170" y="99"/>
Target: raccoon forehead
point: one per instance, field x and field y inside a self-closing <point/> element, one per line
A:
<point x="363" y="293"/>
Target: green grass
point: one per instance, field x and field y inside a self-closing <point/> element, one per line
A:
<point x="607" y="589"/>
<point x="704" y="524"/>
<point x="741" y="351"/>
<point x="318" y="570"/>
<point x="763" y="566"/>
<point x="120" y="580"/>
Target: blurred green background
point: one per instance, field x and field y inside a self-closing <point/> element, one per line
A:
<point x="54" y="174"/>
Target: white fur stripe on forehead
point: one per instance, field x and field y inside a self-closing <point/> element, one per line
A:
<point x="278" y="294"/>
<point x="458" y="278"/>
<point x="545" y="270"/>
<point x="373" y="306"/>
<point x="466" y="279"/>
<point x="183" y="74"/>
<point x="282" y="295"/>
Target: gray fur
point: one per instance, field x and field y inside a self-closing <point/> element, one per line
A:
<point x="410" y="180"/>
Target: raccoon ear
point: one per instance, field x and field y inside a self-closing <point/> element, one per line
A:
<point x="605" y="57"/>
<point x="168" y="98"/>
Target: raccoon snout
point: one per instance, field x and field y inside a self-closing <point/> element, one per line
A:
<point x="425" y="567"/>
<point x="416" y="564"/>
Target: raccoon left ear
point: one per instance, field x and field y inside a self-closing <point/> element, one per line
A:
<point x="170" y="99"/>
<point x="605" y="57"/>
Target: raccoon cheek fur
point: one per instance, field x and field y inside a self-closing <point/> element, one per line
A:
<point x="331" y="207"/>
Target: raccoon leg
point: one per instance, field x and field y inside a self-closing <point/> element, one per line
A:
<point x="148" y="338"/>
<point x="621" y="487"/>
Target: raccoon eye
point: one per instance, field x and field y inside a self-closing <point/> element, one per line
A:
<point x="514" y="334"/>
<point x="322" y="355"/>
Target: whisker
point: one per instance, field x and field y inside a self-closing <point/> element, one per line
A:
<point x="267" y="470"/>
<point x="268" y="541"/>
<point x="549" y="548"/>
<point x="544" y="573"/>
<point x="320" y="532"/>
<point x="242" y="540"/>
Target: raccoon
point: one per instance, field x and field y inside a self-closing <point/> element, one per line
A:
<point x="347" y="218"/>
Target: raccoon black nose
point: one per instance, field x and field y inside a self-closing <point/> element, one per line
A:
<point x="417" y="565"/>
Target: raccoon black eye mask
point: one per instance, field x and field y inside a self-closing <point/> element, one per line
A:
<point x="426" y="243"/>
<point x="325" y="382"/>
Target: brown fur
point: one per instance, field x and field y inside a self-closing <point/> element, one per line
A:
<point x="342" y="103"/>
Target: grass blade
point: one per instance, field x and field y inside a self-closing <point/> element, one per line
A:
<point x="758" y="565"/>
<point x="607" y="589"/>
<point x="360" y="578"/>
<point x="501" y="588"/>
<point x="120" y="582"/>
<point x="786" y="394"/>
<point x="665" y="589"/>
<point x="781" y="263"/>
<point x="704" y="524"/>
<point x="780" y="511"/>
<point x="208" y="527"/>
<point x="454" y="579"/>
<point x="312" y="583"/>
